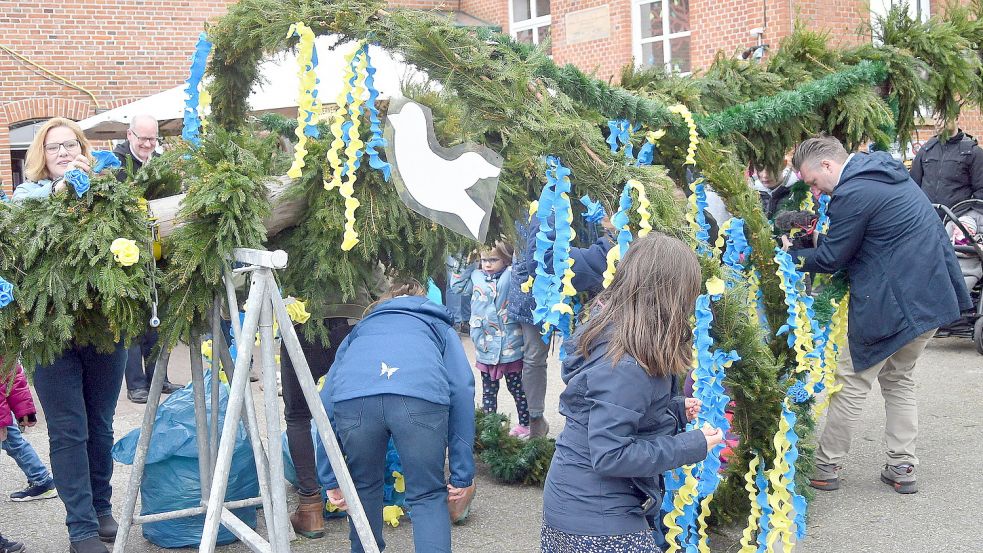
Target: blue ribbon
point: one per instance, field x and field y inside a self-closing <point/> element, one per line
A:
<point x="79" y="180"/>
<point x="595" y="211"/>
<point x="822" y="225"/>
<point x="192" y="119"/>
<point x="737" y="249"/>
<point x="310" y="125"/>
<point x="620" y="220"/>
<point x="620" y="136"/>
<point x="6" y="293"/>
<point x="702" y="235"/>
<point x="376" y="142"/>
<point x="798" y="501"/>
<point x="548" y="283"/>
<point x="791" y="281"/>
<point x="764" y="524"/>
<point x="104" y="160"/>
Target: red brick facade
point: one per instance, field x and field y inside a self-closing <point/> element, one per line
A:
<point x="133" y="48"/>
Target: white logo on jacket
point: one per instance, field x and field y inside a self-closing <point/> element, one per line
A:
<point x="387" y="370"/>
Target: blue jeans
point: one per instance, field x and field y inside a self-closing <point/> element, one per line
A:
<point x="419" y="429"/>
<point x="78" y="393"/>
<point x="141" y="360"/>
<point x="21" y="451"/>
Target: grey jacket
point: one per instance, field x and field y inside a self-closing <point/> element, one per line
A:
<point x="30" y="190"/>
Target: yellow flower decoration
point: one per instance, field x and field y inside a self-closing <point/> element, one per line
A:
<point x="298" y="312"/>
<point x="206" y="349"/>
<point x="125" y="251"/>
<point x="715" y="286"/>
<point x="400" y="484"/>
<point x="391" y="514"/>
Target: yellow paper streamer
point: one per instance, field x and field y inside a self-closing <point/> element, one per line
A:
<point x="527" y="285"/>
<point x="353" y="152"/>
<point x="715" y="286"/>
<point x="337" y="121"/>
<point x="614" y="254"/>
<point x="704" y="544"/>
<point x="778" y="497"/>
<point x="645" y="216"/>
<point x="837" y="337"/>
<point x="684" y="496"/>
<point x="400" y="484"/>
<point x="694" y="138"/>
<point x="391" y="514"/>
<point x="298" y="312"/>
<point x="306" y="102"/>
<point x="748" y="541"/>
<point x="204" y="105"/>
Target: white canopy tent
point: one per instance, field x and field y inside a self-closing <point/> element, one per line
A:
<point x="276" y="91"/>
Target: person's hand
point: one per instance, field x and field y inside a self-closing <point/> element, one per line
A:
<point x="336" y="498"/>
<point x="26" y="422"/>
<point x="454" y="494"/>
<point x="80" y="162"/>
<point x="713" y="435"/>
<point x="786" y="243"/>
<point x="3" y="433"/>
<point x="693" y="407"/>
<point x="60" y="186"/>
<point x="607" y="225"/>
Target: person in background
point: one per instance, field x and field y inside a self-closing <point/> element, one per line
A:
<point x="905" y="282"/>
<point x="949" y="167"/>
<point x="79" y="390"/>
<point x="402" y="373"/>
<point x="497" y="339"/>
<point x="775" y="189"/>
<point x="17" y="405"/>
<point x="623" y="415"/>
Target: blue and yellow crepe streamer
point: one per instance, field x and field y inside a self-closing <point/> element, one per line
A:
<point x="192" y="114"/>
<point x="308" y="107"/>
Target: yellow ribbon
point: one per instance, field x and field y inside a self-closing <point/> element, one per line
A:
<point x="779" y="498"/>
<point x="837" y="337"/>
<point x="614" y="254"/>
<point x="704" y="544"/>
<point x="400" y="484"/>
<point x="391" y="514"/>
<point x="298" y="312"/>
<point x="306" y="102"/>
<point x="527" y="285"/>
<point x="694" y="138"/>
<point x="204" y="103"/>
<point x="644" y="215"/>
<point x="337" y="121"/>
<point x="684" y="496"/>
<point x="715" y="286"/>
<point x="748" y="541"/>
<point x="353" y="152"/>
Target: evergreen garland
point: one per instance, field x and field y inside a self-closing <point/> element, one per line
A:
<point x="68" y="288"/>
<point x="511" y="460"/>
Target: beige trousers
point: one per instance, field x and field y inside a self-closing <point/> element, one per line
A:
<point x="896" y="375"/>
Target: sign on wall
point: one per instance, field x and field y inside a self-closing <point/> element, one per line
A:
<point x="587" y="25"/>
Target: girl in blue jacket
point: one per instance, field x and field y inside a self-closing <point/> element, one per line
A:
<point x="622" y="415"/>
<point x="402" y="373"/>
<point x="497" y="337"/>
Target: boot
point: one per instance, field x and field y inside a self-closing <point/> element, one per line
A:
<point x="538" y="427"/>
<point x="307" y="520"/>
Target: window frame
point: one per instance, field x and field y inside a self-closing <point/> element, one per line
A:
<point x="638" y="43"/>
<point x="533" y="24"/>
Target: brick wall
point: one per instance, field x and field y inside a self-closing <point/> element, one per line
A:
<point x="427" y="4"/>
<point x="119" y="51"/>
<point x="492" y="11"/>
<point x="604" y="57"/>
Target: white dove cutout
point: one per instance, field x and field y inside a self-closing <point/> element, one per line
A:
<point x="388" y="371"/>
<point x="439" y="178"/>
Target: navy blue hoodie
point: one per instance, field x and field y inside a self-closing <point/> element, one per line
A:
<point x="620" y="436"/>
<point x="904" y="276"/>
<point x="407" y="346"/>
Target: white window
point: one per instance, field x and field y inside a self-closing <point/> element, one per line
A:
<point x="661" y="34"/>
<point x="529" y="21"/>
<point x="919" y="10"/>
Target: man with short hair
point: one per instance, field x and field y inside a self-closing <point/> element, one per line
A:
<point x="905" y="282"/>
<point x="949" y="167"/>
<point x="140" y="146"/>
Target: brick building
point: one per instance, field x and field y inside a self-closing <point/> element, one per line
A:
<point x="75" y="59"/>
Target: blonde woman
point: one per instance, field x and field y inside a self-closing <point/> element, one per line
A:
<point x="79" y="390"/>
<point x="623" y="416"/>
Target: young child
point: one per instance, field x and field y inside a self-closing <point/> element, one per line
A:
<point x="622" y="415"/>
<point x="497" y="338"/>
<point x="16" y="403"/>
<point x="402" y="373"/>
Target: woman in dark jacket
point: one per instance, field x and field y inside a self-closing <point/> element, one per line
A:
<point x="622" y="416"/>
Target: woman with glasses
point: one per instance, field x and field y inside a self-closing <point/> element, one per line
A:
<point x="78" y="391"/>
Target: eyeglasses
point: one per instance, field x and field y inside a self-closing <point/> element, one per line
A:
<point x="490" y="259"/>
<point x="71" y="146"/>
<point x="145" y="139"/>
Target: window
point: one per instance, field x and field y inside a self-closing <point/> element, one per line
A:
<point x="919" y="10"/>
<point x="661" y="34"/>
<point x="529" y="21"/>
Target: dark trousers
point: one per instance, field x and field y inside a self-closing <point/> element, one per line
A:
<point x="296" y="412"/>
<point x="141" y="360"/>
<point x="78" y="393"/>
<point x="419" y="430"/>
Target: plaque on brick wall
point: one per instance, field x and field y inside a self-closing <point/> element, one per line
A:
<point x="587" y="25"/>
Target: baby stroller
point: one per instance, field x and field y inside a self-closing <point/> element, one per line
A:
<point x="966" y="234"/>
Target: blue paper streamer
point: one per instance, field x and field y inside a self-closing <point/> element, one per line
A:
<point x="620" y="220"/>
<point x="764" y="521"/>
<point x="104" y="160"/>
<point x="347" y="126"/>
<point x="791" y="281"/>
<point x="822" y="224"/>
<point x="79" y="180"/>
<point x="192" y="119"/>
<point x="702" y="235"/>
<point x="595" y="211"/>
<point x="376" y="143"/>
<point x="6" y="293"/>
<point x="737" y="249"/>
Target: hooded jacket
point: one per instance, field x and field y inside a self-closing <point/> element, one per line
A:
<point x="407" y="346"/>
<point x="904" y="276"/>
<point x="589" y="265"/>
<point x="497" y="338"/>
<point x="15" y="398"/>
<point x="951" y="171"/>
<point x="620" y="436"/>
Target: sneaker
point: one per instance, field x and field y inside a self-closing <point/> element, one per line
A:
<point x="520" y="431"/>
<point x="900" y="477"/>
<point x="138" y="396"/>
<point x="825" y="478"/>
<point x="538" y="427"/>
<point x="35" y="491"/>
<point x="9" y="546"/>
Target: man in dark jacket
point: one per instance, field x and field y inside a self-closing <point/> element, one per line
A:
<point x="949" y="170"/>
<point x="589" y="266"/>
<point x="905" y="282"/>
<point x="139" y="147"/>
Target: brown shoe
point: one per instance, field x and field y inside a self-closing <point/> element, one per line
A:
<point x="307" y="520"/>
<point x="538" y="427"/>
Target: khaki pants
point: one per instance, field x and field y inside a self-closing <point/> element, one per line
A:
<point x="896" y="375"/>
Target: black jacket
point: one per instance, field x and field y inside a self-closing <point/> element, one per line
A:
<point x="126" y="157"/>
<point x="951" y="171"/>
<point x="904" y="276"/>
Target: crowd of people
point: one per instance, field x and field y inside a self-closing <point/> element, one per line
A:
<point x="398" y="368"/>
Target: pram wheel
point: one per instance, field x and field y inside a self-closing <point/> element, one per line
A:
<point x="978" y="335"/>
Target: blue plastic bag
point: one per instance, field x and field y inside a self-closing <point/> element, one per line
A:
<point x="170" y="479"/>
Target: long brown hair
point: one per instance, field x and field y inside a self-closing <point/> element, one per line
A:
<point x="36" y="161"/>
<point x="646" y="310"/>
<point x="406" y="287"/>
